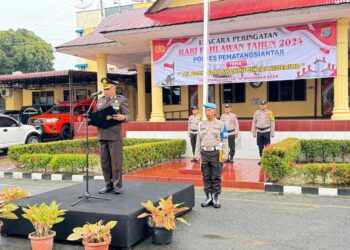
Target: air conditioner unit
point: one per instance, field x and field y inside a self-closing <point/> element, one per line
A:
<point x="5" y="92"/>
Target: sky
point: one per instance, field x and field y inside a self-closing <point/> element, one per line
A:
<point x="52" y="20"/>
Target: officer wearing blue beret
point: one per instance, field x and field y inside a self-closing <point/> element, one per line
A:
<point x="211" y="149"/>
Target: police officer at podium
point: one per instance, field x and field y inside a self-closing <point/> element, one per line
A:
<point x="110" y="139"/>
<point x="263" y="126"/>
<point x="211" y="149"/>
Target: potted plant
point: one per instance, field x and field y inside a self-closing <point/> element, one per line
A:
<point x="162" y="219"/>
<point x="9" y="194"/>
<point x="95" y="236"/>
<point x="43" y="218"/>
<point x="7" y="212"/>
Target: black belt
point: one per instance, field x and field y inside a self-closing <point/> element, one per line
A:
<point x="229" y="131"/>
<point x="194" y="130"/>
<point x="263" y="128"/>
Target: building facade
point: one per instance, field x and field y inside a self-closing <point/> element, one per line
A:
<point x="124" y="40"/>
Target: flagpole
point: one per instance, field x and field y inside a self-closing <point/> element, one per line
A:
<point x="205" y="53"/>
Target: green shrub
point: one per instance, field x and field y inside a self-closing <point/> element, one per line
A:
<point x="340" y="173"/>
<point x="32" y="162"/>
<point x="72" y="163"/>
<point x="344" y="149"/>
<point x="76" y="146"/>
<point x="311" y="149"/>
<point x="324" y="149"/>
<point x="277" y="158"/>
<point x="311" y="172"/>
<point x="146" y="153"/>
<point x="136" y="153"/>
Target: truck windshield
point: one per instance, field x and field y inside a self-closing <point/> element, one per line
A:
<point x="59" y="110"/>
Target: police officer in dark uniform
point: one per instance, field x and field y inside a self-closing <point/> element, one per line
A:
<point x="231" y="123"/>
<point x="212" y="149"/>
<point x="110" y="139"/>
<point x="263" y="126"/>
<point x="193" y="122"/>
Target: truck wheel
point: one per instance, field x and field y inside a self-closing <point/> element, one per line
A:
<point x="32" y="139"/>
<point x="65" y="133"/>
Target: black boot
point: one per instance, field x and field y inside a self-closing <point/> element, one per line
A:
<point x="231" y="160"/>
<point x="208" y="201"/>
<point x="216" y="201"/>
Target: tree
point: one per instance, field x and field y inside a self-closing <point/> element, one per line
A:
<point x="22" y="50"/>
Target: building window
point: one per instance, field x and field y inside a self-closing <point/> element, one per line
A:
<point x="292" y="90"/>
<point x="45" y="97"/>
<point x="66" y="95"/>
<point x="171" y="95"/>
<point x="234" y="92"/>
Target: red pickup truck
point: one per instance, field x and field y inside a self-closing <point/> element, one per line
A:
<point x="56" y="121"/>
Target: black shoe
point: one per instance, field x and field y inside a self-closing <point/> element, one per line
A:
<point x="226" y="161"/>
<point x="208" y="201"/>
<point x="216" y="201"/>
<point x="232" y="161"/>
<point x="118" y="191"/>
<point x="106" y="190"/>
<point x="259" y="163"/>
<point x="193" y="160"/>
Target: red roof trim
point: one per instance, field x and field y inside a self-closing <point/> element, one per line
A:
<point x="33" y="75"/>
<point x="218" y="10"/>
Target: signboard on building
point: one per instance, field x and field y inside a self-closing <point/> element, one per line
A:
<point x="285" y="53"/>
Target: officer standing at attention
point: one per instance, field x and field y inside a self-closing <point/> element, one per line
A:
<point x="110" y="139"/>
<point x="211" y="148"/>
<point x="232" y="127"/>
<point x="263" y="126"/>
<point x="193" y="122"/>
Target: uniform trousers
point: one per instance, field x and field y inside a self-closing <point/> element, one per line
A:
<point x="111" y="162"/>
<point x="193" y="139"/>
<point x="231" y="144"/>
<point x="263" y="139"/>
<point x="211" y="170"/>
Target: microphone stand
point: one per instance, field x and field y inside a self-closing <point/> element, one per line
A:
<point x="87" y="194"/>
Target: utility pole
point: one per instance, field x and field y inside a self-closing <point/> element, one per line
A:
<point x="101" y="4"/>
<point x="205" y="53"/>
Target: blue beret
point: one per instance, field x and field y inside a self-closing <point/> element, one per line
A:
<point x="210" y="105"/>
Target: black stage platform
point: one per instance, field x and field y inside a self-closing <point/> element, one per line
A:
<point x="123" y="207"/>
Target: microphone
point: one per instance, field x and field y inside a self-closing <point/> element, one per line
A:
<point x="96" y="93"/>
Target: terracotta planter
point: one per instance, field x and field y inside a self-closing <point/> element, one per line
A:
<point x="42" y="243"/>
<point x="96" y="246"/>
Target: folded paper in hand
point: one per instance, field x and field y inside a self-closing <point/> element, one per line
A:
<point x="103" y="118"/>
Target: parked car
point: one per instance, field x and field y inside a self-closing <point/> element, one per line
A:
<point x="14" y="133"/>
<point x="56" y="121"/>
<point x="28" y="111"/>
<point x="12" y="113"/>
<point x="24" y="113"/>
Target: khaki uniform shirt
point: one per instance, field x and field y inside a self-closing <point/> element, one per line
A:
<point x="231" y="122"/>
<point x="193" y="122"/>
<point x="113" y="133"/>
<point x="263" y="121"/>
<point x="209" y="136"/>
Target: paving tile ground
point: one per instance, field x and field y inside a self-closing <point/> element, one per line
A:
<point x="247" y="220"/>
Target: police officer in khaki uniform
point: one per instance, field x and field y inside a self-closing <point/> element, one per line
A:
<point x="263" y="126"/>
<point x="211" y="149"/>
<point x="231" y="122"/>
<point x="110" y="139"/>
<point x="193" y="122"/>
